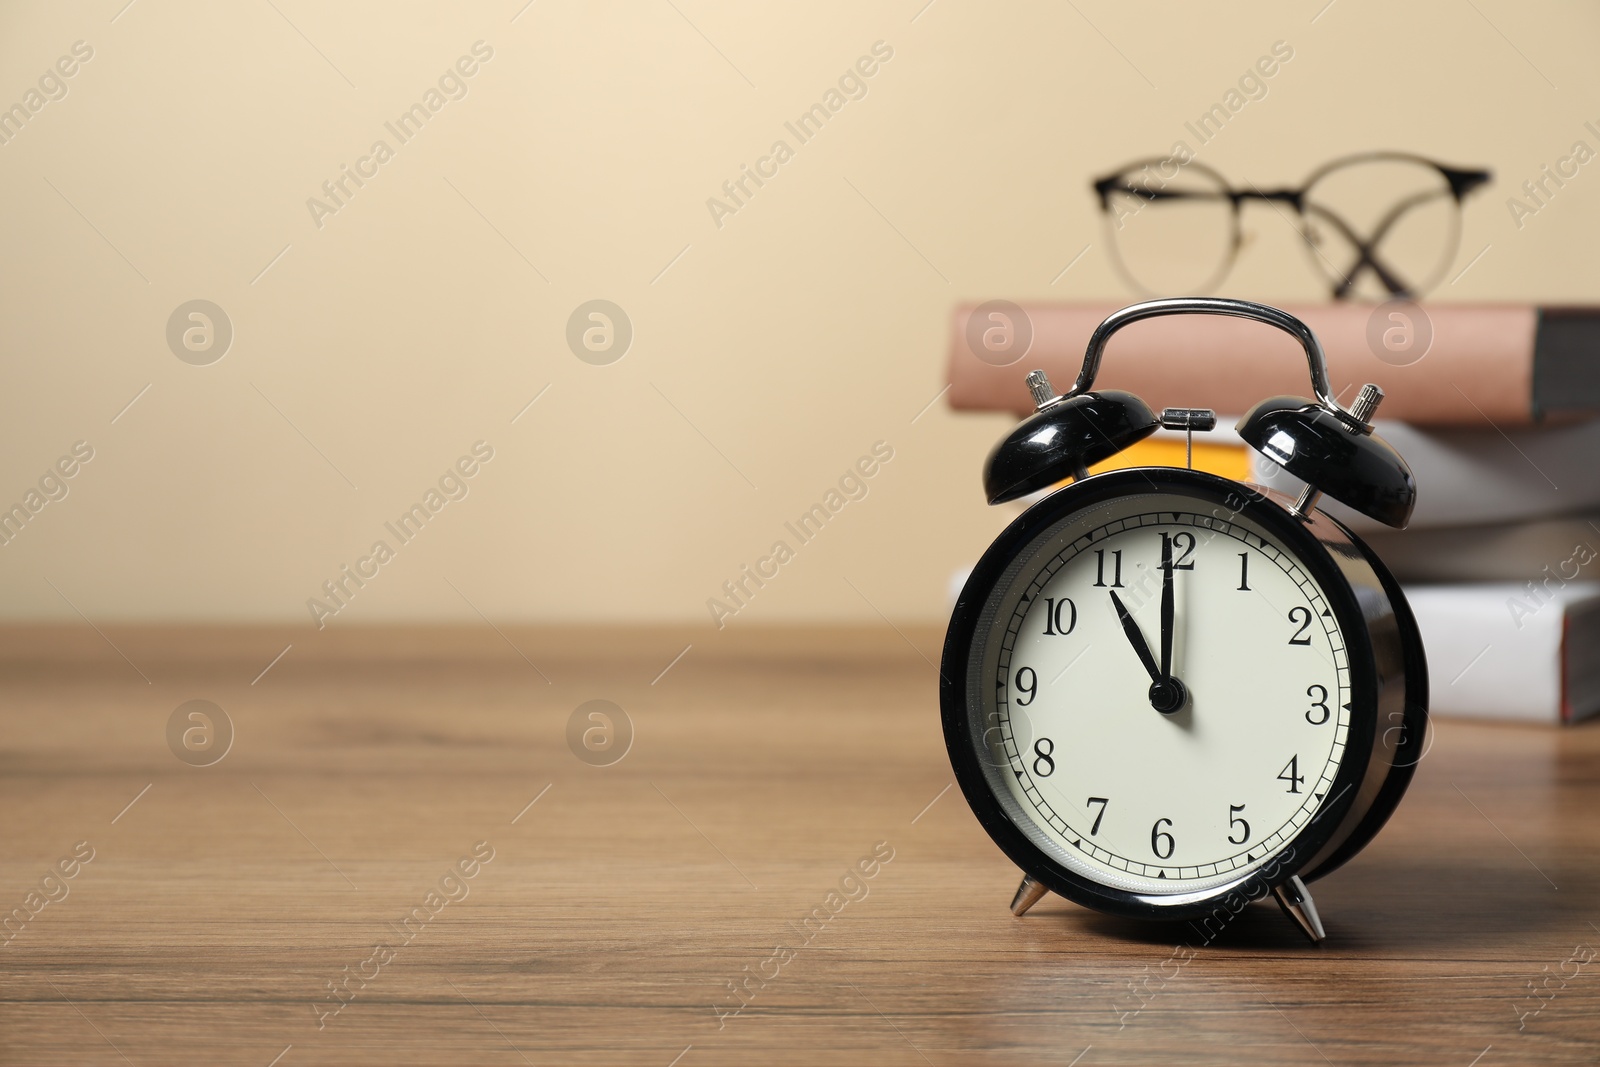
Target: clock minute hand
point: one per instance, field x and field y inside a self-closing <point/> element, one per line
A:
<point x="1136" y="638"/>
<point x="1166" y="606"/>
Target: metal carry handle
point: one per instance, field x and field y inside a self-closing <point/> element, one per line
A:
<point x="1213" y="305"/>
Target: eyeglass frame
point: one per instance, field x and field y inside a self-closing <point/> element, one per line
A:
<point x="1461" y="181"/>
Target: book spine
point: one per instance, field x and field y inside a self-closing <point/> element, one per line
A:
<point x="1565" y="345"/>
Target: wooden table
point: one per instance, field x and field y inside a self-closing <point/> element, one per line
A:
<point x="623" y="904"/>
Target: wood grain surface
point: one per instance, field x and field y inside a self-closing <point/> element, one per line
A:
<point x="626" y="906"/>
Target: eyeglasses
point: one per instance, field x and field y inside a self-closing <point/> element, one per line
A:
<point x="1388" y="218"/>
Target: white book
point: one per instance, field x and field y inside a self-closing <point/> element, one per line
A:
<point x="1503" y="650"/>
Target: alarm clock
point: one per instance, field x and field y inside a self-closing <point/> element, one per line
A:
<point x="1164" y="693"/>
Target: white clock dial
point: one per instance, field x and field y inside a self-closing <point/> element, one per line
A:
<point x="1154" y="801"/>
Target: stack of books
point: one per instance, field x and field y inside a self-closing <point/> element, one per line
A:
<point x="1496" y="407"/>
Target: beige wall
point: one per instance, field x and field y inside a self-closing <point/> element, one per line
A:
<point x="789" y="339"/>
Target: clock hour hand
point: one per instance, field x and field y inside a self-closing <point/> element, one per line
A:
<point x="1136" y="638"/>
<point x="1167" y="694"/>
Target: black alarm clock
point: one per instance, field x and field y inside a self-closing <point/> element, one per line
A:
<point x="1164" y="693"/>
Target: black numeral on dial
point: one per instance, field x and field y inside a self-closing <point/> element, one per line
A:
<point x="1301" y="615"/>
<point x="1053" y="625"/>
<point x="1102" y="801"/>
<point x="1291" y="774"/>
<point x="1244" y="572"/>
<point x="1027" y="682"/>
<point x="1100" y="568"/>
<point x="1184" y="543"/>
<point x="1161" y="842"/>
<point x="1319" y="702"/>
<point x="1043" y="765"/>
<point x="1234" y="820"/>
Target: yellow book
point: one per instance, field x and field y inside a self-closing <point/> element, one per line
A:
<point x="1224" y="460"/>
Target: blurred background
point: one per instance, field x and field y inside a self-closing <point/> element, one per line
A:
<point x="358" y="342"/>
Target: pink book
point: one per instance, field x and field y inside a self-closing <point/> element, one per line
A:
<point x="1452" y="365"/>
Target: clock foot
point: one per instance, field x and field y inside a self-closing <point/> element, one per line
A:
<point x="1029" y="893"/>
<point x="1296" y="902"/>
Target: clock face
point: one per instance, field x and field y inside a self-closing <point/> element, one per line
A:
<point x="1162" y="759"/>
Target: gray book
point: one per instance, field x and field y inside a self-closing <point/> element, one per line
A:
<point x="1538" y="550"/>
<point x="1481" y="477"/>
